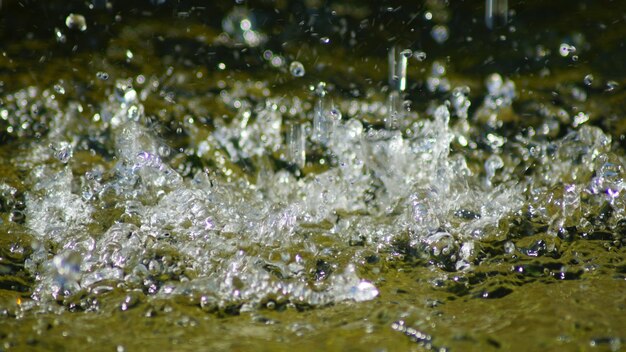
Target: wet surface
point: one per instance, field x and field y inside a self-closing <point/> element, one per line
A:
<point x="253" y="176"/>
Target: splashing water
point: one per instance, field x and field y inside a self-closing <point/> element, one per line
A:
<point x="235" y="180"/>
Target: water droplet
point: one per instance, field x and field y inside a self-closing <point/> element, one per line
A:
<point x="324" y="40"/>
<point x="239" y="24"/>
<point x="67" y="265"/>
<point x="277" y="61"/>
<point x="364" y="291"/>
<point x="102" y="75"/>
<point x="297" y="69"/>
<point x="59" y="89"/>
<point x="588" y="80"/>
<point x="440" y="33"/>
<point x="334" y="114"/>
<point x="566" y="49"/>
<point x="580" y="118"/>
<point x="493" y="83"/>
<point x="125" y="93"/>
<point x="296" y="147"/>
<point x="611" y="86"/>
<point x="133" y="113"/>
<point x="419" y="55"/>
<point x="496" y="12"/>
<point x="164" y="151"/>
<point x="76" y="21"/>
<point x="320" y="89"/>
<point x="60" y="37"/>
<point x="63" y="151"/>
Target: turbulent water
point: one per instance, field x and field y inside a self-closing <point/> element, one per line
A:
<point x="251" y="159"/>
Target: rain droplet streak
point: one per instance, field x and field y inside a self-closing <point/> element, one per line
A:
<point x="296" y="152"/>
<point x="297" y="69"/>
<point x="76" y="21"/>
<point x="496" y="13"/>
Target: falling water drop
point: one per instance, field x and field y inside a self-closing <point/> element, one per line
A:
<point x="76" y="21"/>
<point x="496" y="13"/>
<point x="296" y="144"/>
<point x="419" y="55"/>
<point x="611" y="86"/>
<point x="297" y="69"/>
<point x="566" y="49"/>
<point x="60" y="36"/>
<point x="102" y="75"/>
<point x="63" y="151"/>
<point x="59" y="89"/>
<point x="440" y="33"/>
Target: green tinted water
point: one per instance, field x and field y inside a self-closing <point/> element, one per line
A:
<point x="527" y="289"/>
